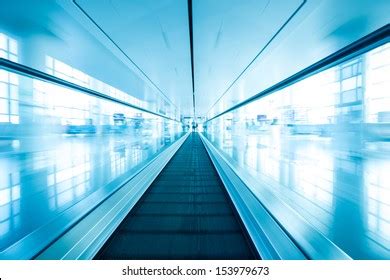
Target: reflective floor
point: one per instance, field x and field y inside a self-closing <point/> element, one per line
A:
<point x="343" y="191"/>
<point x="40" y="177"/>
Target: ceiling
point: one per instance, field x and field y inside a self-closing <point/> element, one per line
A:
<point x="154" y="35"/>
<point x="237" y="44"/>
<point x="227" y="37"/>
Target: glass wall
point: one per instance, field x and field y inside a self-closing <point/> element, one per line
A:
<point x="59" y="147"/>
<point x="322" y="145"/>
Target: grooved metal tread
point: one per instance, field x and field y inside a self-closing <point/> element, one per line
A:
<point x="185" y="214"/>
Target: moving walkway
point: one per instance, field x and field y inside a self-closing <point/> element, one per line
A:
<point x="185" y="214"/>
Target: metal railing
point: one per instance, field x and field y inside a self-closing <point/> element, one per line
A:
<point x="36" y="74"/>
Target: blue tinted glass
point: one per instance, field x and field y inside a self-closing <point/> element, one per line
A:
<point x="58" y="147"/>
<point x="323" y="147"/>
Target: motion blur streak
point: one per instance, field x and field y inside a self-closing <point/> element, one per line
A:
<point x="58" y="146"/>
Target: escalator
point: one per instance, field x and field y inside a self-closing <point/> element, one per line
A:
<point x="185" y="214"/>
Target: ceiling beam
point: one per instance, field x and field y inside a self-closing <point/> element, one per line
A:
<point x="190" y="27"/>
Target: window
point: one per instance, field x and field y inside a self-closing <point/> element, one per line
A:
<point x="377" y="96"/>
<point x="9" y="92"/>
<point x="8" y="48"/>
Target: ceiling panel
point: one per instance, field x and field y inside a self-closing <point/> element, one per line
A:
<point x="155" y="36"/>
<point x="227" y="36"/>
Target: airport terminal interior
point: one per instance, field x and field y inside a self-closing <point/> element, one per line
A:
<point x="195" y="129"/>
